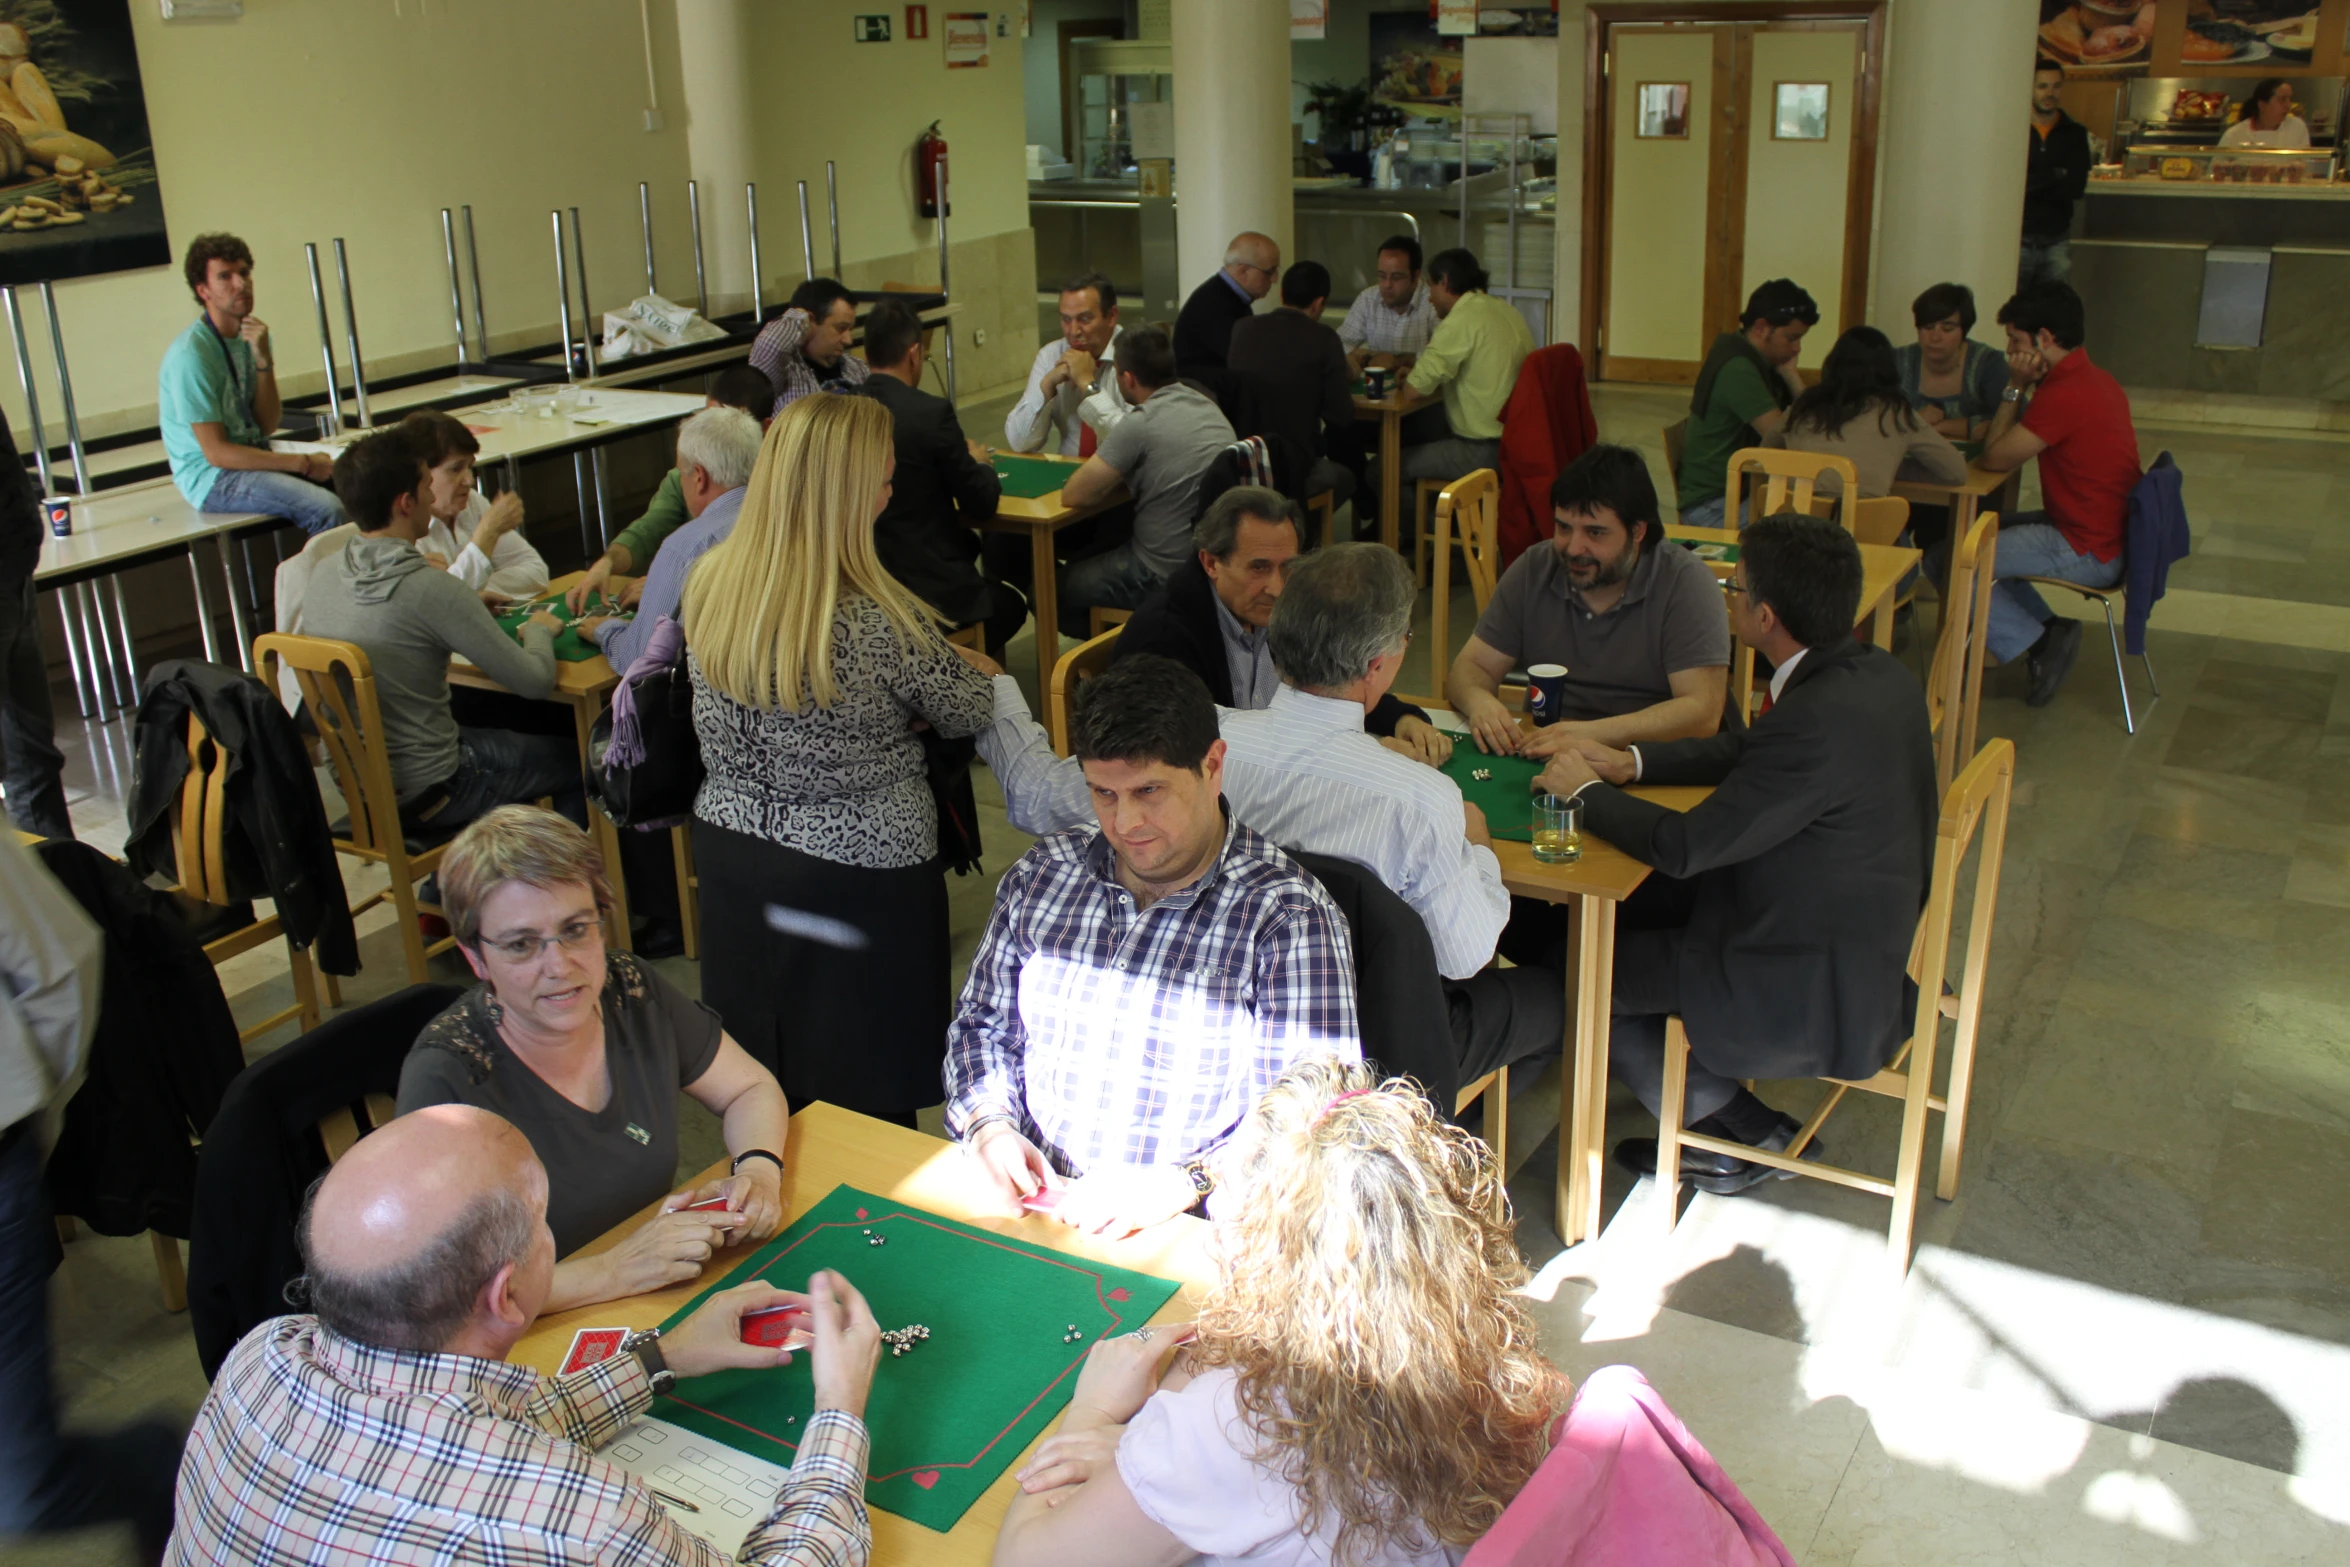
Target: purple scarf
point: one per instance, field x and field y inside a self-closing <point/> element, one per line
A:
<point x="663" y="649"/>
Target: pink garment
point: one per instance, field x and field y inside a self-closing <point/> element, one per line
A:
<point x="1628" y="1486"/>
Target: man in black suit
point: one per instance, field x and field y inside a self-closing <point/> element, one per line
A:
<point x="1301" y="367"/>
<point x="1203" y="330"/>
<point x="1211" y="614"/>
<point x="1803" y="873"/>
<point x="943" y="489"/>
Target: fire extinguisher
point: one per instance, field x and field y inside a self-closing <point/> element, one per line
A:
<point x="930" y="157"/>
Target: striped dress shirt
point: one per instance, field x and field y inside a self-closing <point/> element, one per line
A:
<point x="1375" y="324"/>
<point x="1303" y="773"/>
<point x="313" y="1450"/>
<point x="1111" y="1035"/>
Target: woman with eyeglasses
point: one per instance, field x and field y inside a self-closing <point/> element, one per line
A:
<point x="585" y="1051"/>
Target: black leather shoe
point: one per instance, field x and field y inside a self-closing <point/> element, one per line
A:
<point x="2051" y="664"/>
<point x="1719" y="1174"/>
<point x="1638" y="1154"/>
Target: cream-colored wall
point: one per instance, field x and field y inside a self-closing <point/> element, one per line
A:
<point x="1656" y="244"/>
<point x="307" y="119"/>
<point x="1795" y="190"/>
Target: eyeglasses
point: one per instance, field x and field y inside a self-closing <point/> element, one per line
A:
<point x="527" y="948"/>
<point x="1733" y="585"/>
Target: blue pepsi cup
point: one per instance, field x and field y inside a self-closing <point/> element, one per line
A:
<point x="1546" y="692"/>
<point x="57" y="511"/>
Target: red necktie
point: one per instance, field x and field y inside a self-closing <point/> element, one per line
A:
<point x="1084" y="439"/>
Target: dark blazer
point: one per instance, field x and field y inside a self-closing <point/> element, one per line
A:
<point x="1203" y="330"/>
<point x="1302" y="366"/>
<point x="1399" y="996"/>
<point x="925" y="535"/>
<point x="1178" y="621"/>
<point x="2056" y="174"/>
<point x="1810" y="860"/>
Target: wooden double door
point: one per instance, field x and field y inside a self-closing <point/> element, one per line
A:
<point x="1724" y="145"/>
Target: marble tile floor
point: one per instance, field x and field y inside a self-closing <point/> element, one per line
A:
<point x="2129" y="1337"/>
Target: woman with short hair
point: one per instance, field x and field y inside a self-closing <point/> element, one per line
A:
<point x="1954" y="381"/>
<point x="1363" y="1385"/>
<point x="474" y="538"/>
<point x="824" y="906"/>
<point x="1858" y="410"/>
<point x="585" y="1051"/>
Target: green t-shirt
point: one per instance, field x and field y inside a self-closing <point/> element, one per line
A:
<point x="664" y="515"/>
<point x="204" y="380"/>
<point x="1726" y="426"/>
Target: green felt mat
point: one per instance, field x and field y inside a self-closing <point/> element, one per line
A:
<point x="570" y="646"/>
<point x="1507" y="798"/>
<point x="1026" y="478"/>
<point x="949" y="1417"/>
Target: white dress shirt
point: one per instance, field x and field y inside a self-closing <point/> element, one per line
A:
<point x="1302" y="773"/>
<point x="512" y="567"/>
<point x="1029" y="423"/>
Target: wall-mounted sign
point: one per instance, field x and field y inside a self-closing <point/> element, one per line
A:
<point x="966" y="38"/>
<point x="872" y="29"/>
<point x="917" y="21"/>
<point x="1456" y="16"/>
<point x="1309" y="19"/>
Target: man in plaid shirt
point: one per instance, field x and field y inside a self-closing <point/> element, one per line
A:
<point x="1139" y="986"/>
<point x="806" y="349"/>
<point x="389" y="1429"/>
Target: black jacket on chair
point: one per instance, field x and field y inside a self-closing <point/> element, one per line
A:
<point x="276" y="844"/>
<point x="165" y="1052"/>
<point x="1399" y="996"/>
<point x="1811" y="862"/>
<point x="926" y="535"/>
<point x="1178" y="621"/>
<point x="264" y="1151"/>
<point x="1203" y="328"/>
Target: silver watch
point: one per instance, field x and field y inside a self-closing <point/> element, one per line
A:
<point x="2013" y="394"/>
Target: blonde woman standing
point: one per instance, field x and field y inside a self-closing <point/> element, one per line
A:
<point x="1363" y="1385"/>
<point x="815" y="834"/>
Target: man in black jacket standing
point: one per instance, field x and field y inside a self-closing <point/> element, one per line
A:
<point x="1203" y="330"/>
<point x="31" y="766"/>
<point x="2059" y="173"/>
<point x="944" y="488"/>
<point x="1803" y="873"/>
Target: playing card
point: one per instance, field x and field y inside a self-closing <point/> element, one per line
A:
<point x="1044" y="1199"/>
<point x="777" y="1327"/>
<point x="706" y="1205"/>
<point x="590" y="1345"/>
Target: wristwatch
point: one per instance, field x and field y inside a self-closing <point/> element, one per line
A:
<point x="1203" y="1181"/>
<point x="2014" y="394"/>
<point x="645" y="1344"/>
<point x="748" y="1154"/>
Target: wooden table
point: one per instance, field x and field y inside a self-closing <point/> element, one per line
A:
<point x="1964" y="498"/>
<point x="1882" y="568"/>
<point x="1040" y="517"/>
<point x="1390" y="411"/>
<point x="584" y="686"/>
<point x="829" y="1147"/>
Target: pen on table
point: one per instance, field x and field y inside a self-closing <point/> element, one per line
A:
<point x="674" y="1501"/>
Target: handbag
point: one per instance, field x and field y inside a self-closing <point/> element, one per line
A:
<point x="644" y="758"/>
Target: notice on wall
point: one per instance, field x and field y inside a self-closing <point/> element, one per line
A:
<point x="965" y="33"/>
<point x="1309" y="19"/>
<point x="872" y="29"/>
<point x="1456" y="16"/>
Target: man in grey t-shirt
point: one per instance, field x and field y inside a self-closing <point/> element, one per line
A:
<point x="1636" y="619"/>
<point x="1159" y="452"/>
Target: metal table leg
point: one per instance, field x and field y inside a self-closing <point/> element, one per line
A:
<point x="236" y="605"/>
<point x="122" y="629"/>
<point x="203" y="609"/>
<point x="73" y="652"/>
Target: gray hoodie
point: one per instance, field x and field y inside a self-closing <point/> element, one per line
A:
<point x="408" y="618"/>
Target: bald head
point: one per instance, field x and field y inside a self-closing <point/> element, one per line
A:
<point x="1253" y="261"/>
<point x="404" y="1235"/>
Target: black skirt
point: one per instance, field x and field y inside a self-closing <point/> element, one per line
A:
<point x="849" y="1003"/>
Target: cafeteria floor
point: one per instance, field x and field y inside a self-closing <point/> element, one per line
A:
<point x="2129" y="1338"/>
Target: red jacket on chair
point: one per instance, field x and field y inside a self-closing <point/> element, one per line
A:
<point x="1547" y="425"/>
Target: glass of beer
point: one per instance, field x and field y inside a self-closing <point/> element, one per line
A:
<point x="1558" y="829"/>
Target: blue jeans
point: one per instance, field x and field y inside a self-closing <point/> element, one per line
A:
<point x="53" y="1480"/>
<point x="2043" y="261"/>
<point x="1114" y="579"/>
<point x="310" y="507"/>
<point x="2031" y="546"/>
<point x="502" y="767"/>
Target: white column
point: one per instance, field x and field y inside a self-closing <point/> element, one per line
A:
<point x="1232" y="168"/>
<point x="1957" y="105"/>
<point x="714" y="56"/>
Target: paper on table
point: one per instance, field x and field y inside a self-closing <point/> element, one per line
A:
<point x="731" y="1490"/>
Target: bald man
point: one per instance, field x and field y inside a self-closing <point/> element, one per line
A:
<point x="388" y="1426"/>
<point x="1204" y="330"/>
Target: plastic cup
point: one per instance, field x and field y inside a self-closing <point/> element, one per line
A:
<point x="1546" y="692"/>
<point x="1558" y="829"/>
<point x="58" y="511"/>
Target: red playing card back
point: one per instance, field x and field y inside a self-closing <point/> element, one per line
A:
<point x="1044" y="1199"/>
<point x="774" y="1327"/>
<point x="706" y="1205"/>
<point x="590" y="1345"/>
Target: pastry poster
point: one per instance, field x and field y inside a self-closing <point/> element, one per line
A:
<point x="2100" y="37"/>
<point x="77" y="167"/>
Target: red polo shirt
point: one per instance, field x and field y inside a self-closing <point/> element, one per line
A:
<point x="2091" y="463"/>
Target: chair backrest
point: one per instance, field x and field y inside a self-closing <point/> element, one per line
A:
<point x="1976" y="801"/>
<point x="338" y="688"/>
<point x="1878" y="519"/>
<point x="1473" y="502"/>
<point x="342" y="1127"/>
<point x="1080" y="664"/>
<point x="197" y="823"/>
<point x="1784" y="478"/>
<point x="1676" y="441"/>
<point x="1954" y="684"/>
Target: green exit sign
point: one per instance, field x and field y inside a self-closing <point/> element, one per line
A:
<point x="873" y="29"/>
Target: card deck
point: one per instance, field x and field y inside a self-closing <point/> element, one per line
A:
<point x="591" y="1345"/>
<point x="777" y="1327"/>
<point x="1045" y="1199"/>
<point x="707" y="1205"/>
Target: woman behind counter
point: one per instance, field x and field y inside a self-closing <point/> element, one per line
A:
<point x="1954" y="381"/>
<point x="824" y="905"/>
<point x="585" y="1052"/>
<point x="2268" y="119"/>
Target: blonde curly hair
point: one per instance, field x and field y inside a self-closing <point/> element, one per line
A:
<point x="1366" y="1306"/>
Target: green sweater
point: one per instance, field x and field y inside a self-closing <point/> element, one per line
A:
<point x="664" y="515"/>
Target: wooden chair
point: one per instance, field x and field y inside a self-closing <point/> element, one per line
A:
<point x="1080" y="664"/>
<point x="197" y="827"/>
<point x="973" y="636"/>
<point x="1954" y="684"/>
<point x="1883" y="519"/>
<point x="1494" y="1089"/>
<point x="1468" y="513"/>
<point x="1976" y="801"/>
<point x="1100" y="618"/>
<point x="342" y="1127"/>
<point x="1324" y="505"/>
<point x="2106" y="599"/>
<point x="338" y="689"/>
<point x="1787" y="479"/>
<point x="1676" y="442"/>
